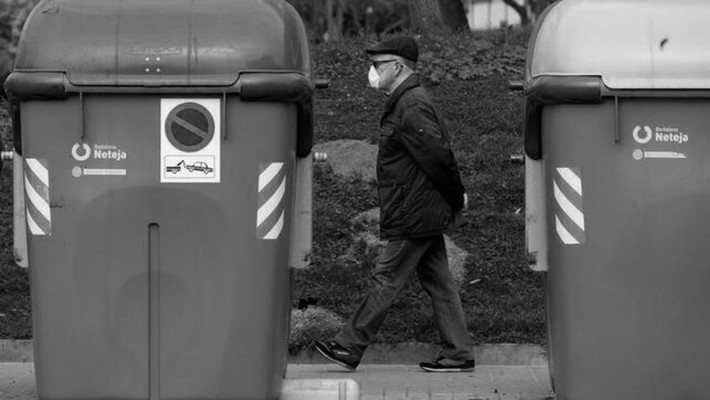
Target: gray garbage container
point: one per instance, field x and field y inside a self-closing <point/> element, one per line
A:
<point x="616" y="134"/>
<point x="159" y="141"/>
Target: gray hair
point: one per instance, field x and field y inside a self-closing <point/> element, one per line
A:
<point x="407" y="63"/>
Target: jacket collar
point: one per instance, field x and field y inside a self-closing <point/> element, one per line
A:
<point x="410" y="83"/>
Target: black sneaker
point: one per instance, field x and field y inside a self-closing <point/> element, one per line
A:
<point x="338" y="354"/>
<point x="437" y="366"/>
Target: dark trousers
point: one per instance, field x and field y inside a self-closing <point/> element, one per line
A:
<point x="401" y="257"/>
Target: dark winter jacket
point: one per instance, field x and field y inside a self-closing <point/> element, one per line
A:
<point x="418" y="181"/>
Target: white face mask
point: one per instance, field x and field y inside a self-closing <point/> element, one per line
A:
<point x="374" y="78"/>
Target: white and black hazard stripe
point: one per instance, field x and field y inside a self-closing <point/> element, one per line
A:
<point x="39" y="215"/>
<point x="272" y="201"/>
<point x="569" y="210"/>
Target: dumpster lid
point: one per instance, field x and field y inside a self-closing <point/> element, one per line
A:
<point x="631" y="44"/>
<point x="162" y="42"/>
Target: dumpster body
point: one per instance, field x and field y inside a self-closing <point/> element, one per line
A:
<point x="616" y="135"/>
<point x="159" y="143"/>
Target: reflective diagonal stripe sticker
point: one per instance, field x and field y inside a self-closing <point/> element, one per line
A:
<point x="39" y="215"/>
<point x="271" y="201"/>
<point x="268" y="174"/>
<point x="571" y="178"/>
<point x="563" y="233"/>
<point x="276" y="230"/>
<point x="569" y="211"/>
<point x="269" y="206"/>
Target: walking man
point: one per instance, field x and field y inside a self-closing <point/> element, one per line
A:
<point x="420" y="194"/>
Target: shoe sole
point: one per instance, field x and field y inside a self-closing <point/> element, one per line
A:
<point x="452" y="369"/>
<point x="334" y="360"/>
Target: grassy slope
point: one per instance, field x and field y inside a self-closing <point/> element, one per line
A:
<point x="468" y="76"/>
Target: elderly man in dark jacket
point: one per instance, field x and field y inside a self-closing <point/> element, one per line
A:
<point x="420" y="194"/>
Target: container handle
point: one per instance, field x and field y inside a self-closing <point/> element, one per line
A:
<point x="284" y="87"/>
<point x="516" y="85"/>
<point x="4" y="155"/>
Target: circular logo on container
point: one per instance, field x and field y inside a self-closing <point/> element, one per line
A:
<point x="85" y="152"/>
<point x="189" y="127"/>
<point x="645" y="138"/>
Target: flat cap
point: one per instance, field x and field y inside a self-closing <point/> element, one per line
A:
<point x="402" y="46"/>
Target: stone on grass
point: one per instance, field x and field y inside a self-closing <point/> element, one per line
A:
<point x="369" y="236"/>
<point x="351" y="158"/>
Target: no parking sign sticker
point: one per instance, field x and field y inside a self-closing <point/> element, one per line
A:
<point x="190" y="140"/>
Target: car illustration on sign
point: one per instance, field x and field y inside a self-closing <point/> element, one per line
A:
<point x="200" y="166"/>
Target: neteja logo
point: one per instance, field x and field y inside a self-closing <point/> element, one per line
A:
<point x="82" y="152"/>
<point x="109" y="152"/>
<point x="645" y="134"/>
<point x="664" y="134"/>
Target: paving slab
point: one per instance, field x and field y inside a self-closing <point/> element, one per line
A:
<point x="408" y="382"/>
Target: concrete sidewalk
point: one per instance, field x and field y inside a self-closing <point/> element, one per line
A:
<point x="409" y="382"/>
<point x="376" y="381"/>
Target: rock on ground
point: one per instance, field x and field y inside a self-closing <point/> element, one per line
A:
<point x="351" y="158"/>
<point x="370" y="236"/>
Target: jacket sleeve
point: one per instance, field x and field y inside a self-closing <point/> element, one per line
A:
<point x="425" y="140"/>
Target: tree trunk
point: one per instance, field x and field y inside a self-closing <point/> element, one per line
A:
<point x="538" y="6"/>
<point x="520" y="9"/>
<point x="454" y="15"/>
<point x="339" y="19"/>
<point x="332" y="30"/>
<point x="315" y="12"/>
<point x="354" y="16"/>
<point x="437" y="15"/>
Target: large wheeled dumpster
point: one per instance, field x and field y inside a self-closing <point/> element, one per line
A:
<point x="618" y="185"/>
<point x="159" y="142"/>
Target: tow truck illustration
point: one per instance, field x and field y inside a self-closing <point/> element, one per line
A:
<point x="196" y="166"/>
<point x="175" y="168"/>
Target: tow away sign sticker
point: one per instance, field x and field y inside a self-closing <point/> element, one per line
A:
<point x="190" y="140"/>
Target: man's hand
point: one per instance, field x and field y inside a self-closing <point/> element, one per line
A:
<point x="465" y="201"/>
